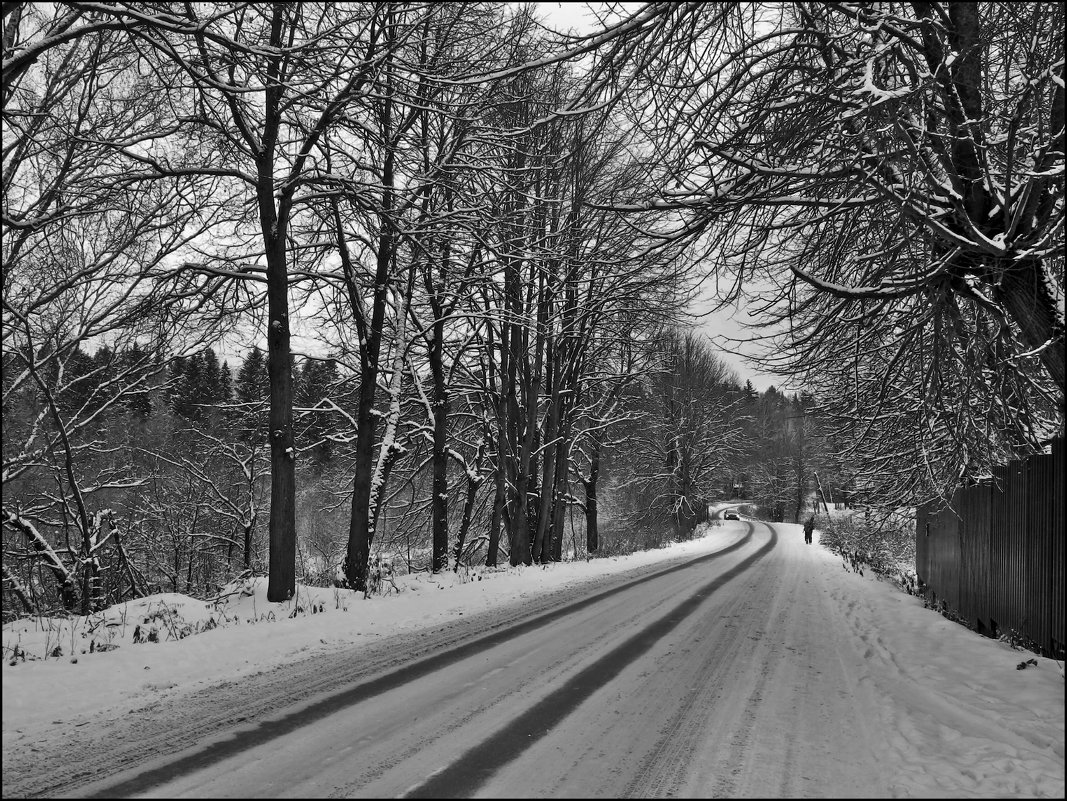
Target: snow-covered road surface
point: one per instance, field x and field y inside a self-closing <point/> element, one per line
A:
<point x="764" y="670"/>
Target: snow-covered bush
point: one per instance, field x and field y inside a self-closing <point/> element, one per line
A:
<point x="884" y="541"/>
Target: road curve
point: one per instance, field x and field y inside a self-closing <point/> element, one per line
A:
<point x="722" y="676"/>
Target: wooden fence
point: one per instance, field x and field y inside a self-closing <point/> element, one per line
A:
<point x="994" y="557"/>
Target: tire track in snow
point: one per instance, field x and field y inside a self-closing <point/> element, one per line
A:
<point x="659" y="773"/>
<point x="516" y="697"/>
<point x="463" y="777"/>
<point x="663" y="769"/>
<point x="731" y="766"/>
<point x="206" y="725"/>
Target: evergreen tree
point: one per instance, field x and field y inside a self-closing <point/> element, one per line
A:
<point x="298" y="378"/>
<point x="103" y="371"/>
<point x="316" y="378"/>
<point x="104" y="362"/>
<point x="329" y="373"/>
<point x="225" y="383"/>
<point x="138" y="404"/>
<point x="77" y="387"/>
<point x="212" y="377"/>
<point x="252" y="382"/>
<point x="174" y="378"/>
<point x="305" y="394"/>
<point x="191" y="392"/>
<point x="252" y="391"/>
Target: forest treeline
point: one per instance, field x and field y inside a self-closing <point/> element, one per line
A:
<point x="493" y="232"/>
<point x="177" y="450"/>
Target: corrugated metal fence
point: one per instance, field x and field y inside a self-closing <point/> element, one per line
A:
<point x="995" y="557"/>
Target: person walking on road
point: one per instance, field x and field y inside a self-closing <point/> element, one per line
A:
<point x="809" y="527"/>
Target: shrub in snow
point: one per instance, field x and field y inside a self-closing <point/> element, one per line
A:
<point x="17" y="653"/>
<point x="885" y="543"/>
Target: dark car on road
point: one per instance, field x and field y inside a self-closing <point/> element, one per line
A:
<point x="730" y="515"/>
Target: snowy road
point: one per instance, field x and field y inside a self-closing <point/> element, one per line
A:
<point x="760" y="669"/>
<point x="729" y="675"/>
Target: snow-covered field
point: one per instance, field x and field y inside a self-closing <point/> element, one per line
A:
<point x="942" y="673"/>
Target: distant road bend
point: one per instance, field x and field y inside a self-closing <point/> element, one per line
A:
<point x="722" y="675"/>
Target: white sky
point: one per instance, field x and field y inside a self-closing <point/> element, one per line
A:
<point x="725" y="325"/>
<point x="564" y="16"/>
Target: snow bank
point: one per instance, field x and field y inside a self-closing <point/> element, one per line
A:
<point x="128" y="654"/>
<point x="960" y="717"/>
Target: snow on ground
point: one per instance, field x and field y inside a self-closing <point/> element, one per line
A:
<point x="940" y="685"/>
<point x="245" y="634"/>
<point x="936" y="692"/>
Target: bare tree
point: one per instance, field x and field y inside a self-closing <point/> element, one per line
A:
<point x="891" y="172"/>
<point x="686" y="434"/>
<point x="88" y="241"/>
<point x="307" y="66"/>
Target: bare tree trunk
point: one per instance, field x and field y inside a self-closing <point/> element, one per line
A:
<point x="542" y="541"/>
<point x="137" y="587"/>
<point x="800" y="466"/>
<point x="439" y="502"/>
<point x="592" y="531"/>
<point x="498" y="437"/>
<point x="281" y="582"/>
<point x="274" y="222"/>
<point x="563" y="452"/>
<point x="361" y="531"/>
<point x="520" y="437"/>
<point x="499" y="499"/>
<point x="465" y="521"/>
<point x="359" y="534"/>
<point x="1023" y="287"/>
<point x="248" y="531"/>
<point x="559" y="506"/>
<point x="15" y="586"/>
<point x="64" y="578"/>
